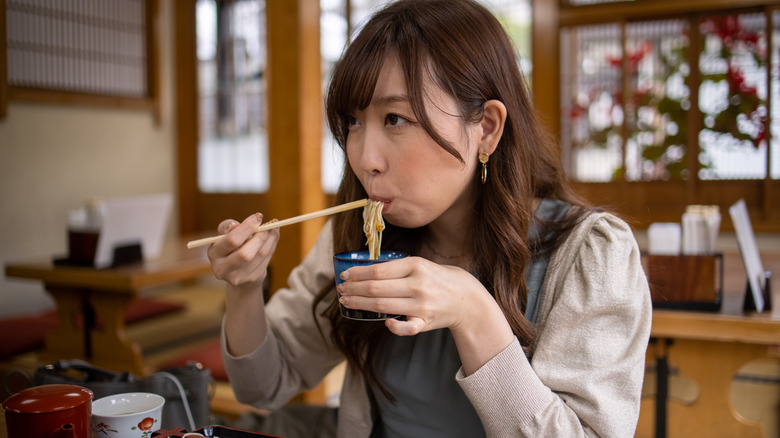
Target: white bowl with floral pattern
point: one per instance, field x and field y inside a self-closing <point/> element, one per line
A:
<point x="127" y="415"/>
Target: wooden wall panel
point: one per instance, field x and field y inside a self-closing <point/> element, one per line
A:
<point x="641" y="203"/>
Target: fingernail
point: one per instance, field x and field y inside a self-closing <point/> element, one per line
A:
<point x="259" y="217"/>
<point x="343" y="300"/>
<point x="340" y="287"/>
<point x="232" y="225"/>
<point x="344" y="275"/>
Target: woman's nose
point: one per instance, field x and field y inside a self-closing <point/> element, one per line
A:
<point x="372" y="158"/>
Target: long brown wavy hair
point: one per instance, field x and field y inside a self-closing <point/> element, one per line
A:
<point x="461" y="46"/>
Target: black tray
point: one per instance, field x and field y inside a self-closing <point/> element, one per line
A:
<point x="213" y="431"/>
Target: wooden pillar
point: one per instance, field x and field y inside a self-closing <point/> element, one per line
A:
<point x="3" y="65"/>
<point x="294" y="133"/>
<point x="294" y="127"/>
<point x="546" y="63"/>
<point x="186" y="96"/>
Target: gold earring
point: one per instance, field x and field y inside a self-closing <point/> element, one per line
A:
<point x="483" y="158"/>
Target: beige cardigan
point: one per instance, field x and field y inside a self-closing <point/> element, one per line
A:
<point x="584" y="378"/>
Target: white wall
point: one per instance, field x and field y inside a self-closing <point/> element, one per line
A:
<point x="54" y="157"/>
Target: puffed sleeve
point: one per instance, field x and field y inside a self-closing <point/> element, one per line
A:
<point x="295" y="355"/>
<point x="585" y="375"/>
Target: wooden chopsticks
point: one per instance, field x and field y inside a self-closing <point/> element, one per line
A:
<point x="290" y="221"/>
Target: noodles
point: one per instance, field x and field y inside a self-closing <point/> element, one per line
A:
<point x="373" y="224"/>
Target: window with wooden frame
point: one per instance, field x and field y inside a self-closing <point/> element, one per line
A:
<point x="661" y="107"/>
<point x="86" y="53"/>
<point x="232" y="119"/>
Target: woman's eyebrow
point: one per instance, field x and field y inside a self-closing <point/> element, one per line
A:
<point x="390" y="98"/>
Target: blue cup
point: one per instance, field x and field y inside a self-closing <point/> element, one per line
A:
<point x="345" y="260"/>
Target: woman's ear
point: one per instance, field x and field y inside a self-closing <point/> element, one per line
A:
<point x="492" y="123"/>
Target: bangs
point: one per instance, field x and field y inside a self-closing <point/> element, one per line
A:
<point x="402" y="33"/>
<point x="353" y="81"/>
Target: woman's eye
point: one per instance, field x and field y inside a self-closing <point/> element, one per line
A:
<point x="351" y="121"/>
<point x="394" y="119"/>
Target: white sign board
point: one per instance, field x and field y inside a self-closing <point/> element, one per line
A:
<point x="134" y="219"/>
<point x="750" y="256"/>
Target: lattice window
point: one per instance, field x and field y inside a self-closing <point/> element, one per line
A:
<point x="591" y="107"/>
<point x="657" y="100"/>
<point x="89" y="46"/>
<point x="627" y="111"/>
<point x="732" y="97"/>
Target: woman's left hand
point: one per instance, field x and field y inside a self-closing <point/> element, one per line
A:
<point x="431" y="296"/>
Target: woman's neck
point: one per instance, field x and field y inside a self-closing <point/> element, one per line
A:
<point x="448" y="243"/>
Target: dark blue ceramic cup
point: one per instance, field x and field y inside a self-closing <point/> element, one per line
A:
<point x="345" y="260"/>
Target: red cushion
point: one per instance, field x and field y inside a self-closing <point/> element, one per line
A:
<point x="144" y="308"/>
<point x="210" y="356"/>
<point x="21" y="334"/>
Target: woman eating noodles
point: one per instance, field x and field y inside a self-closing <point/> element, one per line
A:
<point x="526" y="310"/>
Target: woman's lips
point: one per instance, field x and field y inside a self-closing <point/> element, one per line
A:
<point x="386" y="201"/>
<point x="382" y="199"/>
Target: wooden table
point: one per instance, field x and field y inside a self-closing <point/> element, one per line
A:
<point x="86" y="295"/>
<point x="708" y="349"/>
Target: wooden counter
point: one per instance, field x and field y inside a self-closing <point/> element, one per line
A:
<point x="762" y="329"/>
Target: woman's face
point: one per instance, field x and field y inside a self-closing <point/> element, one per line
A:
<point x="399" y="164"/>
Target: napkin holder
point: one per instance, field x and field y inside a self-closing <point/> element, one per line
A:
<point x="685" y="282"/>
<point x="82" y="248"/>
<point x="766" y="292"/>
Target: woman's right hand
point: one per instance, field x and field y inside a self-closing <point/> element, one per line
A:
<point x="241" y="256"/>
